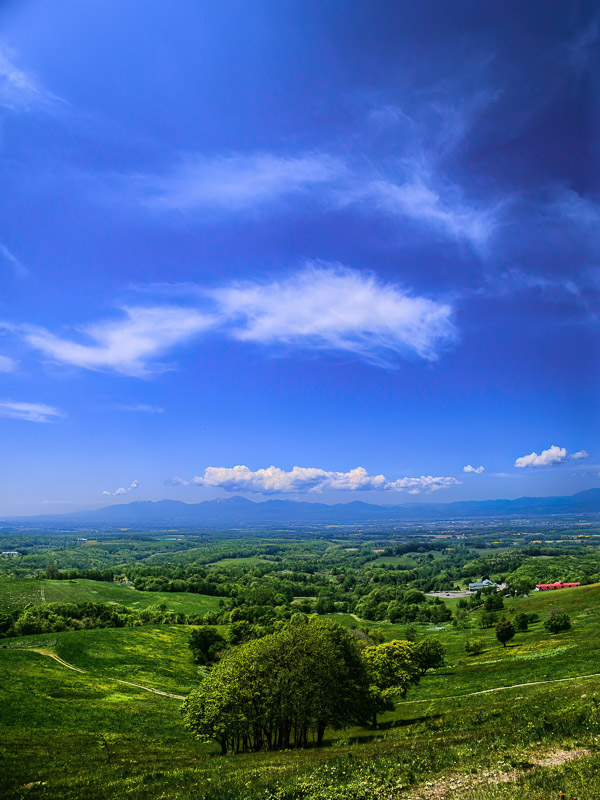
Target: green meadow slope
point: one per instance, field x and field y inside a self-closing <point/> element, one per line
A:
<point x="70" y="735"/>
<point x="17" y="593"/>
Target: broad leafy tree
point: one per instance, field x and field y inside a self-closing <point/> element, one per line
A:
<point x="429" y="654"/>
<point x="206" y="643"/>
<point x="505" y="631"/>
<point x="273" y="692"/>
<point x="474" y="646"/>
<point x="392" y="669"/>
<point x="557" y="621"/>
<point x="521" y="621"/>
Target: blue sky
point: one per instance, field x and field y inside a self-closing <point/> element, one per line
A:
<point x="314" y="250"/>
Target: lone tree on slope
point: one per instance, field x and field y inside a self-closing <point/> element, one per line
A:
<point x="505" y="631"/>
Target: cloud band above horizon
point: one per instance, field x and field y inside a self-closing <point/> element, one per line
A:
<point x="274" y="480"/>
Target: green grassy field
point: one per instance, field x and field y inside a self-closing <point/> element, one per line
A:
<point x="535" y="654"/>
<point x="400" y="562"/>
<point x="17" y="593"/>
<point x="68" y="735"/>
<point x="248" y="561"/>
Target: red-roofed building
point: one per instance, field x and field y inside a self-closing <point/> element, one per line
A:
<point x="543" y="587"/>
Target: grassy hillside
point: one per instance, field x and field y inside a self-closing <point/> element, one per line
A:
<point x="531" y="656"/>
<point x="155" y="656"/>
<point x="17" y="593"/>
<point x="67" y="735"/>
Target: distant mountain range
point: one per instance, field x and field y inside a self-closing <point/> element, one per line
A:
<point x="240" y="512"/>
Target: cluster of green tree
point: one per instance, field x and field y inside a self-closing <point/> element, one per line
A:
<point x="557" y="621"/>
<point x="273" y="692"/>
<point x="496" y="564"/>
<point x="402" y="606"/>
<point x="580" y="564"/>
<point x="54" y="617"/>
<point x="52" y="572"/>
<point x="305" y="574"/>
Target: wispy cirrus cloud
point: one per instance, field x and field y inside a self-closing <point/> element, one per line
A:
<point x="407" y="188"/>
<point x="7" y="364"/>
<point x="551" y="457"/>
<point x="274" y="480"/>
<point x="29" y="412"/>
<point x="142" y="408"/>
<point x="508" y="281"/>
<point x="580" y="49"/>
<point x="583" y="212"/>
<point x="235" y="183"/>
<point x="123" y="490"/>
<point x="419" y="199"/>
<point x="124" y="345"/>
<point x="322" y="307"/>
<point x="331" y="307"/>
<point x="19" y="89"/>
<point x="19" y="270"/>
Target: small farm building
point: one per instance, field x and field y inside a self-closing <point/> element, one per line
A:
<point x="544" y="587"/>
<point x="486" y="584"/>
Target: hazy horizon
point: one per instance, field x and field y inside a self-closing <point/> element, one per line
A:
<point x="68" y="508"/>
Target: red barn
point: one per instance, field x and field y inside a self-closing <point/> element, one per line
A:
<point x="543" y="587"/>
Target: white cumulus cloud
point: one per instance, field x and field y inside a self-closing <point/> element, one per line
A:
<point x="123" y="490"/>
<point x="425" y="483"/>
<point x="331" y="307"/>
<point x="551" y="457"/>
<point x="274" y="480"/>
<point x="30" y="412"/>
<point x="477" y="470"/>
<point x="547" y="458"/>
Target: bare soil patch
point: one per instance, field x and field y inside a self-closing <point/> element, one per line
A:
<point x="449" y="787"/>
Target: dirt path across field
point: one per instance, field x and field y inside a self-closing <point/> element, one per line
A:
<point x="117" y="680"/>
<point x="150" y="689"/>
<point x="56" y="658"/>
<point x="501" y="689"/>
<point x="451" y="786"/>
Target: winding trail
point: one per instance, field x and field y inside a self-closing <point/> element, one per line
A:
<point x="500" y="689"/>
<point x="401" y="702"/>
<point x="56" y="658"/>
<point x="150" y="689"/>
<point x="117" y="680"/>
